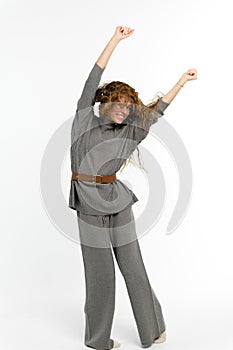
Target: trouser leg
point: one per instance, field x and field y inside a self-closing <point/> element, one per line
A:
<point x="145" y="305"/>
<point x="100" y="282"/>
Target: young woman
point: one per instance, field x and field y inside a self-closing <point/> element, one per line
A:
<point x="100" y="146"/>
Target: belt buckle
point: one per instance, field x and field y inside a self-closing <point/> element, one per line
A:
<point x="98" y="176"/>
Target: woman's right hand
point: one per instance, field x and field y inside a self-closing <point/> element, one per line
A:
<point x="122" y="32"/>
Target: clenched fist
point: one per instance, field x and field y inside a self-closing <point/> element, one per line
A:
<point x="122" y="32"/>
<point x="191" y="74"/>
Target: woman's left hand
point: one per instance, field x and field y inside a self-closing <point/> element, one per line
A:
<point x="191" y="74"/>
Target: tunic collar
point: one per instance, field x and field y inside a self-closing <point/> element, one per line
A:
<point x="126" y="121"/>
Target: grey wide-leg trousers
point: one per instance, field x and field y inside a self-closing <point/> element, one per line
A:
<point x="99" y="235"/>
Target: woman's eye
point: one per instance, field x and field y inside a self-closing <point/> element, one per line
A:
<point x="122" y="105"/>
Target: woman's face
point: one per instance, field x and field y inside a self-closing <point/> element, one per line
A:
<point x="119" y="111"/>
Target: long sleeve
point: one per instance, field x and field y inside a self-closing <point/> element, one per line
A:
<point x="161" y="106"/>
<point x="90" y="87"/>
<point x="140" y="131"/>
<point x="84" y="111"/>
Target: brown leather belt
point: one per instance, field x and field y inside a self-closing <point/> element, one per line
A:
<point x="94" y="178"/>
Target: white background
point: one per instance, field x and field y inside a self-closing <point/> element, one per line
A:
<point x="47" y="49"/>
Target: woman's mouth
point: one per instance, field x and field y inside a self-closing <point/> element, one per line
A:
<point x="120" y="115"/>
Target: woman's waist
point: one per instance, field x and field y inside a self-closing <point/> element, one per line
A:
<point x="98" y="178"/>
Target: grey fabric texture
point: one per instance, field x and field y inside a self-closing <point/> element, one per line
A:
<point x="99" y="269"/>
<point x="99" y="147"/>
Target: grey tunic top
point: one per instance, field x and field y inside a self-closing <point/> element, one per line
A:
<point x="99" y="146"/>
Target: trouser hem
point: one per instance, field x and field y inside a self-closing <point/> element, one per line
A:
<point x="152" y="341"/>
<point x="102" y="347"/>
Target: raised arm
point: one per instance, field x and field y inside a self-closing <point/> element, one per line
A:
<point x="119" y="34"/>
<point x="191" y="74"/>
<point x="94" y="77"/>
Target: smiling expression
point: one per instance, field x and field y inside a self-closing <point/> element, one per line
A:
<point x="119" y="111"/>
